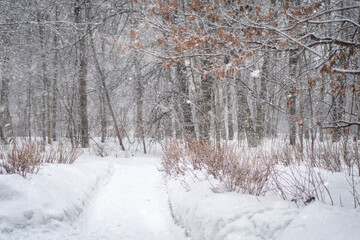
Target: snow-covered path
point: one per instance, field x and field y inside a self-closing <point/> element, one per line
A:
<point x="131" y="204"/>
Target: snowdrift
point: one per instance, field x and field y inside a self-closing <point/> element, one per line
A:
<point x="224" y="216"/>
<point x="58" y="192"/>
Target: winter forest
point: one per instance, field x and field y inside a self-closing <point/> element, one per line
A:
<point x="253" y="97"/>
<point x="164" y="69"/>
<point x="184" y="69"/>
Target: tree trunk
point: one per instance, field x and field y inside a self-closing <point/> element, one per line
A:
<point x="168" y="121"/>
<point x="321" y="105"/>
<point x="189" y="128"/>
<point x="46" y="81"/>
<point x="176" y="105"/>
<point x="139" y="88"/>
<point x="102" y="112"/>
<point x="139" y="101"/>
<point x="218" y="119"/>
<point x="262" y="97"/>
<point x="338" y="110"/>
<point x="312" y="130"/>
<point x="244" y="114"/>
<point x="84" y="125"/>
<point x="357" y="98"/>
<point x="104" y="88"/>
<point x="5" y="119"/>
<point x="230" y="110"/>
<point x="205" y="107"/>
<point x="56" y="76"/>
<point x="28" y="107"/>
<point x="223" y="109"/>
<point x="293" y="61"/>
<point x="301" y="116"/>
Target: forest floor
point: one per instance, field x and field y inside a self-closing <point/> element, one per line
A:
<point x="130" y="202"/>
<point x="125" y="196"/>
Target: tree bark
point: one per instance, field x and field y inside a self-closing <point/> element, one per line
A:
<point x="29" y="108"/>
<point x="321" y="105"/>
<point x="102" y="112"/>
<point x="244" y="114"/>
<point x="84" y="125"/>
<point x="205" y="107"/>
<point x="338" y="109"/>
<point x="189" y="127"/>
<point x="46" y="81"/>
<point x="56" y="76"/>
<point x="262" y="97"/>
<point x="357" y="99"/>
<point x="168" y="121"/>
<point x="301" y="122"/>
<point x="139" y="101"/>
<point x="218" y="119"/>
<point x="293" y="61"/>
<point x="5" y="117"/>
<point x="230" y="111"/>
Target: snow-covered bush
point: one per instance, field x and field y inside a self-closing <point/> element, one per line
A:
<point x="27" y="157"/>
<point x="287" y="171"/>
<point x="245" y="172"/>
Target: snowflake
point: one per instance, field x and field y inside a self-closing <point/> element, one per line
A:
<point x="255" y="73"/>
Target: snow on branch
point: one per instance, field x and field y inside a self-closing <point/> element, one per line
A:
<point x="341" y="124"/>
<point x="348" y="71"/>
<point x="331" y="41"/>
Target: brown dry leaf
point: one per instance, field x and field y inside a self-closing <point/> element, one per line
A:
<point x="160" y="41"/>
<point x="122" y="49"/>
<point x="132" y="34"/>
<point x="138" y="44"/>
<point x="147" y="26"/>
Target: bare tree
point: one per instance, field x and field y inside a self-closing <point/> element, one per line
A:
<point x="80" y="19"/>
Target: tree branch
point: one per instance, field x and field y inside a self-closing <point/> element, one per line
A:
<point x="348" y="71"/>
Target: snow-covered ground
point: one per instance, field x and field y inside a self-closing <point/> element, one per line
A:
<point x="228" y="216"/>
<point x="126" y="198"/>
<point x="107" y="198"/>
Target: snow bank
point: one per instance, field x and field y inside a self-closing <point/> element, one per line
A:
<point x="211" y="216"/>
<point x="57" y="192"/>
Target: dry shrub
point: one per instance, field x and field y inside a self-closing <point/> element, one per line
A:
<point x="284" y="154"/>
<point x="353" y="165"/>
<point x="327" y="156"/>
<point x="299" y="183"/>
<point x="240" y="172"/>
<point x="23" y="158"/>
<point x="354" y="155"/>
<point x="174" y="159"/>
<point x="335" y="157"/>
<point x="100" y="149"/>
<point x="27" y="157"/>
<point x="301" y="179"/>
<point x="288" y="171"/>
<point x="66" y="155"/>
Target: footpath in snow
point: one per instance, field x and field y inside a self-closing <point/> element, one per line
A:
<point x="130" y="203"/>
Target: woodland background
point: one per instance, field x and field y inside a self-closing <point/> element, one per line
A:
<point x="200" y="69"/>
